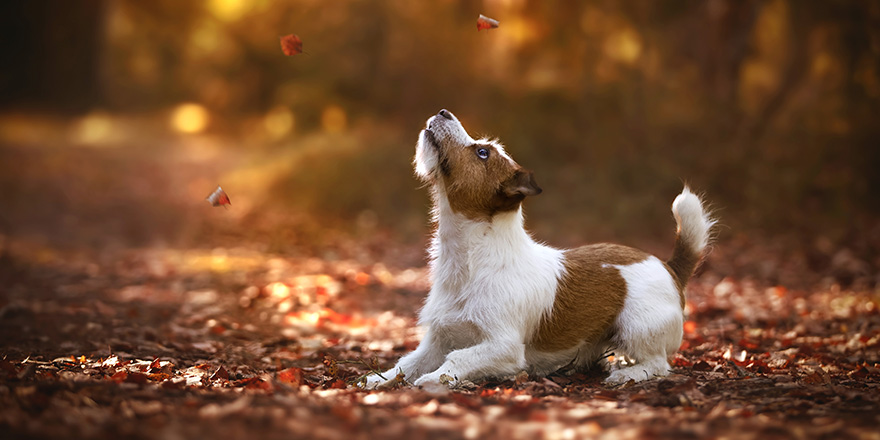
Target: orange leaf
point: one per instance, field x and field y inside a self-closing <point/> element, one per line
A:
<point x="331" y="368"/>
<point x="293" y="376"/>
<point x="291" y="45"/>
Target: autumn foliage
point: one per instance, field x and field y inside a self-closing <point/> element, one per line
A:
<point x="131" y="308"/>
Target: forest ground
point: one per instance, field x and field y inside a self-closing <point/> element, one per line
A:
<point x="236" y="336"/>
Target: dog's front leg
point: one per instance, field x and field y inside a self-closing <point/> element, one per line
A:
<point x="425" y="358"/>
<point x="490" y="358"/>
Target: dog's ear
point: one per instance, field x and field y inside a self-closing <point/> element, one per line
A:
<point x="522" y="184"/>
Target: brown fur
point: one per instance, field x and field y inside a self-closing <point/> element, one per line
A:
<point x="480" y="188"/>
<point x="589" y="297"/>
<point x="681" y="265"/>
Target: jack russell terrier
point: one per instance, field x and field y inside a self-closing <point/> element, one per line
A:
<point x="501" y="303"/>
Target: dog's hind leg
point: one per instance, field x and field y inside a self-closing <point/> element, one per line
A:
<point x="649" y="328"/>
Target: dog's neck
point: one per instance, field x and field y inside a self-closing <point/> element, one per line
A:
<point x="463" y="248"/>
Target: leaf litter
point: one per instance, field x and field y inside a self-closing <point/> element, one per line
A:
<point x="278" y="348"/>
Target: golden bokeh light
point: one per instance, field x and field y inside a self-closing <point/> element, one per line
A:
<point x="334" y="119"/>
<point x="278" y="290"/>
<point x="279" y="122"/>
<point x="93" y="129"/>
<point x="229" y="10"/>
<point x="624" y="46"/>
<point x="518" y="30"/>
<point x="190" y="118"/>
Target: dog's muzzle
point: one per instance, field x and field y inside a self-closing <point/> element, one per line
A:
<point x="431" y="139"/>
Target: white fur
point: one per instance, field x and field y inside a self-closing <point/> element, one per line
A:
<point x="694" y="223"/>
<point x="492" y="283"/>
<point x="649" y="328"/>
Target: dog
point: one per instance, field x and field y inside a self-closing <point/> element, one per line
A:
<point x="502" y="303"/>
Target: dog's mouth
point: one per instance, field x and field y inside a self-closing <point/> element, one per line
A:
<point x="431" y="139"/>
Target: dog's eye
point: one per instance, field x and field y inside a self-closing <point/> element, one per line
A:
<point x="483" y="153"/>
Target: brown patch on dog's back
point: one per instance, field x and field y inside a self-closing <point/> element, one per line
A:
<point x="589" y="297"/>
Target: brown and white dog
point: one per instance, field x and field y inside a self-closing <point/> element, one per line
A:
<point x="501" y="303"/>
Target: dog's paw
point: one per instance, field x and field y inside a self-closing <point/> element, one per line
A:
<point x="376" y="382"/>
<point x="436" y="382"/>
<point x="371" y="382"/>
<point x="624" y="375"/>
<point x="636" y="373"/>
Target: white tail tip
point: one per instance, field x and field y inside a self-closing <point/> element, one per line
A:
<point x="694" y="223"/>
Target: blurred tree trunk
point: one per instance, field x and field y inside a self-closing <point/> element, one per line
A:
<point x="795" y="70"/>
<point x="51" y="53"/>
<point x="731" y="25"/>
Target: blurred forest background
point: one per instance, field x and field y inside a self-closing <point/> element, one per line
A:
<point x="117" y="118"/>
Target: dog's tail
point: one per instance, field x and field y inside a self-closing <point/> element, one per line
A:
<point x="693" y="235"/>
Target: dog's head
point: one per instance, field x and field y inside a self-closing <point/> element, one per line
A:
<point x="478" y="177"/>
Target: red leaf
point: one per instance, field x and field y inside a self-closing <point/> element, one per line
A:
<point x="338" y="384"/>
<point x="702" y="366"/>
<point x="119" y="376"/>
<point x="293" y="376"/>
<point x="135" y="377"/>
<point x="291" y="45"/>
<point x="680" y="361"/>
<point x="221" y="373"/>
<point x="486" y="23"/>
<point x="488" y="393"/>
<point x="7" y="367"/>
<point x="172" y="384"/>
<point x="758" y="366"/>
<point x="610" y="395"/>
<point x="748" y="345"/>
<point x="218" y="197"/>
<point x="254" y="383"/>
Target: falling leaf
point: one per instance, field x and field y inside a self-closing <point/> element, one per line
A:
<point x="218" y="197"/>
<point x="486" y="23"/>
<point x="291" y="45"/>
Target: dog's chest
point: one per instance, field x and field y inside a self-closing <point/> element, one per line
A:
<point x="484" y="289"/>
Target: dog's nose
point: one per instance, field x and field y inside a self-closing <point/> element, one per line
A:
<point x="446" y="114"/>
